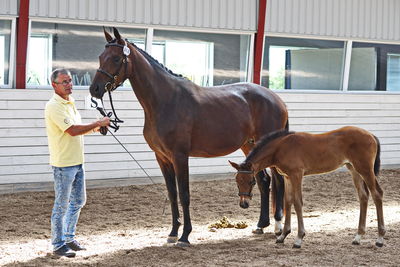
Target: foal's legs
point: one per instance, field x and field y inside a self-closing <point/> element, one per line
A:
<point x="377" y="195"/>
<point x="363" y="195"/>
<point x="168" y="172"/>
<point x="297" y="192"/>
<point x="288" y="206"/>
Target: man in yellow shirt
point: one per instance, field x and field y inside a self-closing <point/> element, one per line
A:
<point x="65" y="136"/>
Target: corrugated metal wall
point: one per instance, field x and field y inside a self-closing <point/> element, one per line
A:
<point x="9" y="7"/>
<point x="347" y="19"/>
<point x="214" y="14"/>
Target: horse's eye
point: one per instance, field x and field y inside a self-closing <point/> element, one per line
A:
<point x="116" y="59"/>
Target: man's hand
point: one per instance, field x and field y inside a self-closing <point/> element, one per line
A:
<point x="105" y="121"/>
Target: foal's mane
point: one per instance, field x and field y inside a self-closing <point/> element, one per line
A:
<point x="152" y="60"/>
<point x="265" y="140"/>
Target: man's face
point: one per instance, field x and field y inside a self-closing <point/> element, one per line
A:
<point x="63" y="85"/>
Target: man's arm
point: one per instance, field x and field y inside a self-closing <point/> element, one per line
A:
<point x="75" y="130"/>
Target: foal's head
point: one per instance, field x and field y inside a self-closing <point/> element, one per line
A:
<point x="114" y="63"/>
<point x="245" y="181"/>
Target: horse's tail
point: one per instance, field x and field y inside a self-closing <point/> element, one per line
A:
<point x="377" y="164"/>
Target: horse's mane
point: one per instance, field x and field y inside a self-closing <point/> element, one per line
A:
<point x="152" y="60"/>
<point x="265" y="140"/>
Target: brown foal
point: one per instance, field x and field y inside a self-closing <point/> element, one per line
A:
<point x="296" y="154"/>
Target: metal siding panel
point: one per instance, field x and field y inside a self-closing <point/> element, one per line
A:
<point x="396" y="24"/>
<point x="198" y="11"/>
<point x="206" y="17"/>
<point x="129" y="11"/>
<point x="222" y="15"/>
<point x="214" y="13"/>
<point x="190" y="13"/>
<point x="156" y="11"/>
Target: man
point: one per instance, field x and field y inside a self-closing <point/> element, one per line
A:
<point x="65" y="136"/>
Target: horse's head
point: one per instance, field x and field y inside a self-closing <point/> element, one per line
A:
<point x="245" y="181"/>
<point x="114" y="64"/>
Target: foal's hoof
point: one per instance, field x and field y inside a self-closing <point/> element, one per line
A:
<point x="279" y="241"/>
<point x="182" y="244"/>
<point x="258" y="231"/>
<point x="296" y="246"/>
<point x="355" y="242"/>
<point x="172" y="239"/>
<point x="379" y="244"/>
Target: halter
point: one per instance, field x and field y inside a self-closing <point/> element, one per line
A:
<point x="252" y="183"/>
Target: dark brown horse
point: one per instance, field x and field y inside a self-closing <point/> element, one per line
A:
<point x="298" y="154"/>
<point x="183" y="120"/>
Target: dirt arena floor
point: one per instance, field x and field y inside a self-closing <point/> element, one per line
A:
<point x="125" y="226"/>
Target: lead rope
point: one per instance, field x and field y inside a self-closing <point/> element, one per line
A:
<point x="148" y="176"/>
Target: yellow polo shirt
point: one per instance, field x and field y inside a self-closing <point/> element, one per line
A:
<point x="65" y="150"/>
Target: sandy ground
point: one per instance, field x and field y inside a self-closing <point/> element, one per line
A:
<point x="125" y="226"/>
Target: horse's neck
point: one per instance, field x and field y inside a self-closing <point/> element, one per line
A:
<point x="263" y="158"/>
<point x="152" y="85"/>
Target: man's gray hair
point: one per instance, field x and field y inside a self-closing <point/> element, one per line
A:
<point x="56" y="72"/>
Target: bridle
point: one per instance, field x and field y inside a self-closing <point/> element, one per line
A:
<point x="252" y="183"/>
<point x="111" y="85"/>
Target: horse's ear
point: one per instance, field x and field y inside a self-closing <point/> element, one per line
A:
<point x="234" y="165"/>
<point x="107" y="35"/>
<point x="116" y="34"/>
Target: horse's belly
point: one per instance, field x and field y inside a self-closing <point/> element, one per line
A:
<point x="215" y="147"/>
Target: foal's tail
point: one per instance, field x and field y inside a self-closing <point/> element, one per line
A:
<point x="377" y="164"/>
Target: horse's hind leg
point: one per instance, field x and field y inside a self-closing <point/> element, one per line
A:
<point x="168" y="172"/>
<point x="363" y="195"/>
<point x="263" y="182"/>
<point x="181" y="166"/>
<point x="278" y="191"/>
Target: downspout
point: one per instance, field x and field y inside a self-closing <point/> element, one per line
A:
<point x="22" y="43"/>
<point x="259" y="41"/>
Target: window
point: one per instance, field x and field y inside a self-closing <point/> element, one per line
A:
<point x="74" y="47"/>
<point x="302" y="64"/>
<point x="393" y="72"/>
<point x="5" y="39"/>
<point x="375" y="67"/>
<point x="205" y="58"/>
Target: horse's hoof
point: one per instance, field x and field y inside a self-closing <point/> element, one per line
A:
<point x="355" y="242"/>
<point x="172" y="239"/>
<point x="182" y="244"/>
<point x="296" y="246"/>
<point x="379" y="244"/>
<point x="258" y="231"/>
<point x="279" y="241"/>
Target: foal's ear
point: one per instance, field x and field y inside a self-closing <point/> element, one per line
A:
<point x="234" y="165"/>
<point x="116" y="34"/>
<point x="107" y="35"/>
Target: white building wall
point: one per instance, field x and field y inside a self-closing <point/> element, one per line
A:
<point x="8" y="8"/>
<point x="345" y="19"/>
<point x="23" y="143"/>
<point x="211" y="14"/>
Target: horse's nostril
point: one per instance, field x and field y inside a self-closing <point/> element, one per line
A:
<point x="244" y="204"/>
<point x="96" y="88"/>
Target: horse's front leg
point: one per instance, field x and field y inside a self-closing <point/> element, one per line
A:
<point x="168" y="172"/>
<point x="181" y="165"/>
<point x="263" y="182"/>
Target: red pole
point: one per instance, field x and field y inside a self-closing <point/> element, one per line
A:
<point x="22" y="43"/>
<point x="259" y="41"/>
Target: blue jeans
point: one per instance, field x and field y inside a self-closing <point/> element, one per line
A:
<point x="70" y="197"/>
